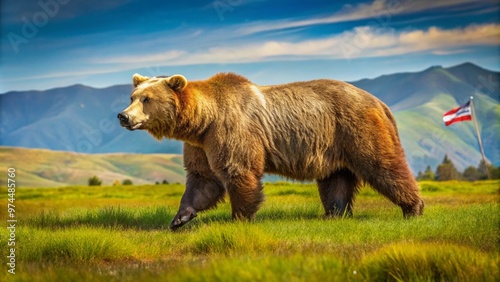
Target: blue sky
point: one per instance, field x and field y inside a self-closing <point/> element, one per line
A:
<point x="53" y="43"/>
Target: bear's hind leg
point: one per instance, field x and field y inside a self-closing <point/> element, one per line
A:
<point x="337" y="192"/>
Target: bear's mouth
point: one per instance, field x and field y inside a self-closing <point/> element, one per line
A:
<point x="133" y="127"/>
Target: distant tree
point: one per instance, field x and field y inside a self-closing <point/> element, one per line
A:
<point x="127" y="182"/>
<point x="157" y="183"/>
<point x="485" y="170"/>
<point x="447" y="170"/>
<point x="419" y="175"/>
<point x="164" y="181"/>
<point x="94" y="181"/>
<point x="428" y="174"/>
<point x="471" y="174"/>
<point x="116" y="182"/>
<point x="495" y="172"/>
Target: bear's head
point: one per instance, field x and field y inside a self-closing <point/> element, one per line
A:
<point x="154" y="103"/>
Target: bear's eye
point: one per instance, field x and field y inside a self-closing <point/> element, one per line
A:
<point x="146" y="99"/>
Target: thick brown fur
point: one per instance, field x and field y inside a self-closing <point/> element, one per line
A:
<point x="235" y="131"/>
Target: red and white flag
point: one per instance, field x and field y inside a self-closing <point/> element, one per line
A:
<point x="458" y="114"/>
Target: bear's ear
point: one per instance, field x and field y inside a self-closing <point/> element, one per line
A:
<point x="138" y="79"/>
<point x="177" y="82"/>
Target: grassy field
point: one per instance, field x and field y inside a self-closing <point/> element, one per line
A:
<point x="120" y="233"/>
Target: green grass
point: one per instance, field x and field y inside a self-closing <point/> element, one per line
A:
<point x="120" y="234"/>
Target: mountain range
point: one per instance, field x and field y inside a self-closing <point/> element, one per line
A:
<point x="418" y="101"/>
<point x="82" y="119"/>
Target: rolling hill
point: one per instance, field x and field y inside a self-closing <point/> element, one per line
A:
<point x="46" y="168"/>
<point x="419" y="100"/>
<point x="82" y="119"/>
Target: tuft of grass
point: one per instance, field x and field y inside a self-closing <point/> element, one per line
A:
<point x="227" y="238"/>
<point x="137" y="218"/>
<point x="70" y="246"/>
<point x="429" y="262"/>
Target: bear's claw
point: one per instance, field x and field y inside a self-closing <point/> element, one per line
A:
<point x="182" y="218"/>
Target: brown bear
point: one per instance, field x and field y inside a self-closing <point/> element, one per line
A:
<point x="235" y="131"/>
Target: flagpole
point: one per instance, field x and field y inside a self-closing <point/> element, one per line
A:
<point x="478" y="135"/>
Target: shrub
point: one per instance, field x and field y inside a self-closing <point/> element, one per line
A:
<point x="447" y="171"/>
<point x="427" y="175"/>
<point x="127" y="182"/>
<point x="429" y="262"/>
<point x="94" y="181"/>
<point x="471" y="174"/>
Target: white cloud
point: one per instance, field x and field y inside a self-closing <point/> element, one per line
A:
<point x="449" y="52"/>
<point x="361" y="42"/>
<point x="63" y="74"/>
<point x="142" y="59"/>
<point x="471" y="35"/>
<point x="357" y="43"/>
<point x="381" y="10"/>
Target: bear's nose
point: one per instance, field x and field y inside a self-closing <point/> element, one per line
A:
<point x="123" y="117"/>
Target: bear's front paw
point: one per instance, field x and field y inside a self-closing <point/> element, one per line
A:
<point x="182" y="217"/>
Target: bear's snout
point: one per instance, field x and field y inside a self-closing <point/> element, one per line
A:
<point x="125" y="120"/>
<point x="123" y="117"/>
